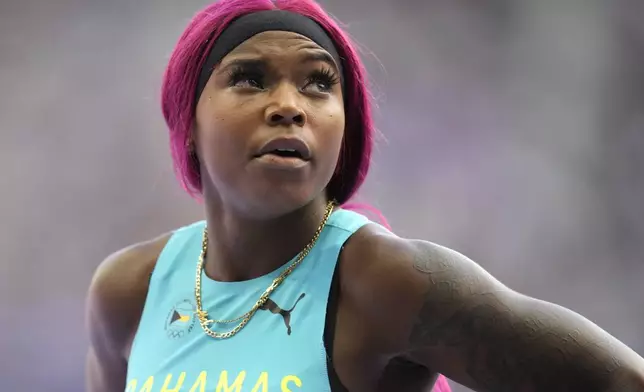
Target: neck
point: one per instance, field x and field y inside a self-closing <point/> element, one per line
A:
<point x="241" y="248"/>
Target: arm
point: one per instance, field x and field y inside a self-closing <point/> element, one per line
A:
<point x="106" y="366"/>
<point x="105" y="372"/>
<point x="114" y="305"/>
<point x="460" y="321"/>
<point x="502" y="340"/>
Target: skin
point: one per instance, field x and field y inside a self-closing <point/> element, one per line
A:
<point x="430" y="310"/>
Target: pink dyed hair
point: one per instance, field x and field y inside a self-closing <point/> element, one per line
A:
<point x="179" y="84"/>
<point x="180" y="81"/>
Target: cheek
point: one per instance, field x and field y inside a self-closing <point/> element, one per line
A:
<point x="331" y="125"/>
<point x="221" y="132"/>
<point x="337" y="137"/>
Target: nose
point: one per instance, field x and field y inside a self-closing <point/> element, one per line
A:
<point x="286" y="116"/>
<point x="284" y="108"/>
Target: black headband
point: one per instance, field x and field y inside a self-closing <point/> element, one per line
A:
<point x="249" y="25"/>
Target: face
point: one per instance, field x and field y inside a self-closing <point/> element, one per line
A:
<point x="269" y="124"/>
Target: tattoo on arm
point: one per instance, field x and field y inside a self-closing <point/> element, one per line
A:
<point x="506" y="342"/>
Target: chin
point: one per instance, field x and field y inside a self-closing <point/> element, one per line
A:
<point x="268" y="196"/>
<point x="278" y="200"/>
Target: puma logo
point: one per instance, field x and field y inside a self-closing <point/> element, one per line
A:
<point x="286" y="314"/>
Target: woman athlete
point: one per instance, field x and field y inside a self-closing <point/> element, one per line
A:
<point x="283" y="289"/>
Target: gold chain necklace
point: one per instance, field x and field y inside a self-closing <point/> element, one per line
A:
<point x="202" y="315"/>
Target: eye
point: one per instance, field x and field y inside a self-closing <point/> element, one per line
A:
<point x="246" y="78"/>
<point x="321" y="81"/>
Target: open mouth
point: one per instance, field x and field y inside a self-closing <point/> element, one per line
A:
<point x="285" y="153"/>
<point x="284" y="158"/>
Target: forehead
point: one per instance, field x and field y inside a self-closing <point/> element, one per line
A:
<point x="269" y="43"/>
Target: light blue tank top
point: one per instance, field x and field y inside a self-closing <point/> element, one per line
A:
<point x="281" y="349"/>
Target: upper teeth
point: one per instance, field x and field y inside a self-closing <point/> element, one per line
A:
<point x="286" y="149"/>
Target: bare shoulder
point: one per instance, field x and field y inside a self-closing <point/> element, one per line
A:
<point x="393" y="277"/>
<point x="117" y="292"/>
<point x="376" y="249"/>
<point x="123" y="269"/>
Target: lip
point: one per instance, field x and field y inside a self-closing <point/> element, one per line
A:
<point x="286" y="143"/>
<point x="281" y="164"/>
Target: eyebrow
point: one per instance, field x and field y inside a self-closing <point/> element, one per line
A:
<point x="261" y="63"/>
<point x="244" y="63"/>
<point x="319" y="55"/>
